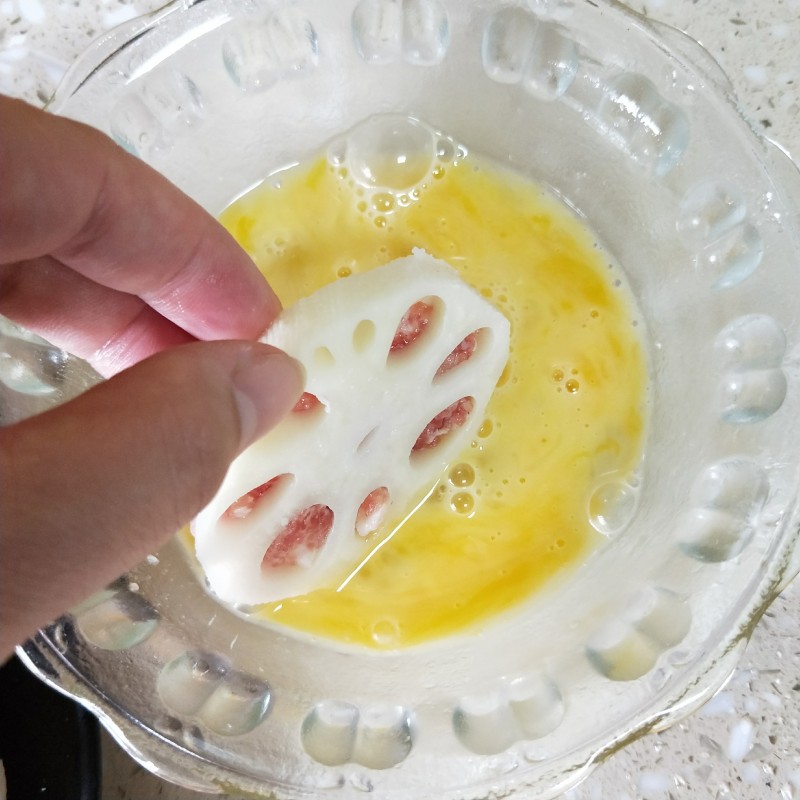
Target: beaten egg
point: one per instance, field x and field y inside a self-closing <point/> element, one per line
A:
<point x="525" y="501"/>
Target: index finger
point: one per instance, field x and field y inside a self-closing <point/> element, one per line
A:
<point x="70" y="192"/>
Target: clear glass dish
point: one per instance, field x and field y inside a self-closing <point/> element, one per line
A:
<point x="634" y="127"/>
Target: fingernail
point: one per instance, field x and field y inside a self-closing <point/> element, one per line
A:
<point x="266" y="385"/>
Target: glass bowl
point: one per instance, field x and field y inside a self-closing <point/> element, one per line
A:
<point x="634" y="127"/>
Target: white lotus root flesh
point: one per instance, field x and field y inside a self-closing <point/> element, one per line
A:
<point x="400" y="364"/>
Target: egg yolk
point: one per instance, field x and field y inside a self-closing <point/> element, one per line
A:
<point x="567" y="416"/>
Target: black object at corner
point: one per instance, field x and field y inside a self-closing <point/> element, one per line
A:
<point x="49" y="745"/>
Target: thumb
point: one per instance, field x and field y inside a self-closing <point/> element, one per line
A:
<point x="90" y="488"/>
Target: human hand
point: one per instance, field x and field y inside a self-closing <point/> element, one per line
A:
<point x="104" y="257"/>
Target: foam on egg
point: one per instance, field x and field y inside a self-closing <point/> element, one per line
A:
<point x="526" y="499"/>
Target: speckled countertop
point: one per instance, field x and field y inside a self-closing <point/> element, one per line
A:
<point x="745" y="743"/>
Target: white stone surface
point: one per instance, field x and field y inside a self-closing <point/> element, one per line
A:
<point x="745" y="743"/>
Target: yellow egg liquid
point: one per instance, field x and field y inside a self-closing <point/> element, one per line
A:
<point x="566" y="418"/>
